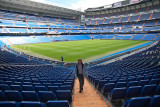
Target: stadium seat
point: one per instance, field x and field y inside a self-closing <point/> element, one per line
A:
<point x="17" y="83"/>
<point x="120" y="84"/>
<point x="154" y="81"/>
<point x="133" y="91"/>
<point x="31" y="104"/>
<point x="2" y="96"/>
<point x="4" y="87"/>
<point x="9" y="104"/>
<point x="8" y="82"/>
<point x="16" y="87"/>
<point x="148" y="90"/>
<point x="58" y="103"/>
<point x="40" y="88"/>
<point x="46" y="96"/>
<point x="155" y="101"/>
<point x="137" y="102"/>
<point x="143" y="82"/>
<point x="53" y="88"/>
<point x="157" y="92"/>
<point x="117" y="93"/>
<point x="64" y="95"/>
<point x="107" y="88"/>
<point x="57" y="84"/>
<point x="28" y="88"/>
<point x="132" y="83"/>
<point x="65" y="87"/>
<point x="13" y="95"/>
<point x="101" y="83"/>
<point x="29" y="96"/>
<point x="27" y="83"/>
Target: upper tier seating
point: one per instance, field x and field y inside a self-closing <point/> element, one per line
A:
<point x="144" y="9"/>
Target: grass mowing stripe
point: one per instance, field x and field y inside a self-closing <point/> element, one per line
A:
<point x="72" y="50"/>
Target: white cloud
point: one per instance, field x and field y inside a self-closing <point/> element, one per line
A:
<point x="84" y="4"/>
<point x="80" y="5"/>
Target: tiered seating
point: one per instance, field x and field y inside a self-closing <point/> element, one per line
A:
<point x="149" y="37"/>
<point x="132" y="21"/>
<point x="7" y="58"/>
<point x="143" y="102"/>
<point x="134" y="76"/>
<point x="144" y="9"/>
<point x="36" y="83"/>
<point x="110" y="36"/>
<point x="27" y="81"/>
<point x="43" y="39"/>
<point x="138" y="36"/>
<point x="63" y="103"/>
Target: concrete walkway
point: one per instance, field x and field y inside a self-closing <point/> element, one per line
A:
<point x="88" y="98"/>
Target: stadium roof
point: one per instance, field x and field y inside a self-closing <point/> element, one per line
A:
<point x="38" y="8"/>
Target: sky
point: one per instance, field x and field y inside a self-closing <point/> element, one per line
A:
<point x="80" y="5"/>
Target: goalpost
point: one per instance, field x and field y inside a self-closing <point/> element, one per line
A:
<point x="28" y="46"/>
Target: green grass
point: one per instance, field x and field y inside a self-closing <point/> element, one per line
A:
<point x="72" y="50"/>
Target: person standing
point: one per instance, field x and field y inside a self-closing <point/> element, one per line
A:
<point x="61" y="58"/>
<point x="80" y="71"/>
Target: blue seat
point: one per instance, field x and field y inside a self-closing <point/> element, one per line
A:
<point x="40" y="88"/>
<point x="117" y="93"/>
<point x="8" y="82"/>
<point x="13" y="95"/>
<point x="30" y="96"/>
<point x="28" y="88"/>
<point x="31" y="104"/>
<point x="46" y="96"/>
<point x="2" y="96"/>
<point x="16" y="87"/>
<point x="17" y="83"/>
<point x="27" y="83"/>
<point x="65" y="87"/>
<point x="107" y="88"/>
<point x="112" y="81"/>
<point x="59" y="103"/>
<point x="101" y="83"/>
<point x="47" y="84"/>
<point x="155" y="101"/>
<point x="137" y="102"/>
<point x="120" y="84"/>
<point x="132" y="83"/>
<point x="143" y="82"/>
<point x="157" y="92"/>
<point x="122" y="80"/>
<point x="64" y="95"/>
<point x="139" y="78"/>
<point x="154" y="81"/>
<point x="9" y="104"/>
<point x="53" y="88"/>
<point x="148" y="90"/>
<point x="68" y="83"/>
<point x="4" y="87"/>
<point x="2" y="82"/>
<point x="36" y="84"/>
<point x="133" y="91"/>
<point x="57" y="84"/>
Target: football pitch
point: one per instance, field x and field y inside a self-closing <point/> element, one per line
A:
<point x="72" y="50"/>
